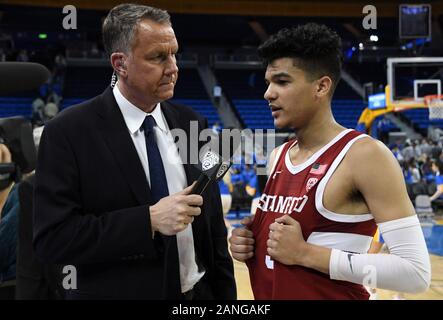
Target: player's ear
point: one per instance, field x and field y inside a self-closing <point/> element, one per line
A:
<point x="323" y="86"/>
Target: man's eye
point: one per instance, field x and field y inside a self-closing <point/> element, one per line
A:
<point x="282" y="82"/>
<point x="159" y="57"/>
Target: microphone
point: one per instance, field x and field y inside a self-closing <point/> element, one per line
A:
<point x="213" y="169"/>
<point x="214" y="166"/>
<point x="19" y="77"/>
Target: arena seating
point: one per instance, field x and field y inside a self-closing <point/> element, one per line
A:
<point x="12" y="106"/>
<point x="256" y="113"/>
<point x="419" y="118"/>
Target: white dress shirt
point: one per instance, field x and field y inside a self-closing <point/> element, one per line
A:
<point x="175" y="176"/>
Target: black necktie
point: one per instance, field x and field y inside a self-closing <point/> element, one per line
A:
<point x="159" y="184"/>
<point x="159" y="189"/>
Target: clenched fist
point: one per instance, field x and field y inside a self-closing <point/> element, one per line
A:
<point x="242" y="241"/>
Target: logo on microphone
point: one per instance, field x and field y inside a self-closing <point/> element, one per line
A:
<point x="210" y="159"/>
<point x="224" y="167"/>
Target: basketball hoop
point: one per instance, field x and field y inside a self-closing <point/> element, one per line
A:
<point x="435" y="105"/>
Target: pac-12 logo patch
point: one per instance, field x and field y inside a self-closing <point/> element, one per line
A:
<point x="311" y="183"/>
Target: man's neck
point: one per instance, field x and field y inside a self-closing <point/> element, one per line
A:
<point x="139" y="103"/>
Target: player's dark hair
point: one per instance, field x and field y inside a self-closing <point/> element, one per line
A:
<point x="315" y="48"/>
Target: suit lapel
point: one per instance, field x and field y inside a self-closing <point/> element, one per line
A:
<point x="118" y="139"/>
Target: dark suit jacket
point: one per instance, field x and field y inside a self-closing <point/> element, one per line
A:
<point x="92" y="210"/>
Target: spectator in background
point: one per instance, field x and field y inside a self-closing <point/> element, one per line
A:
<point x="435" y="151"/>
<point x="425" y="147"/>
<point x="226" y="197"/>
<point x="59" y="71"/>
<point x="417" y="150"/>
<point x="408" y="152"/>
<point x="437" y="197"/>
<point x="426" y="170"/>
<point x="37" y="105"/>
<point x="397" y="154"/>
<point x="383" y="129"/>
<point x="23" y="56"/>
<point x="411" y="172"/>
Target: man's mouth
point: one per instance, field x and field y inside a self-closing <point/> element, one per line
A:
<point x="275" y="108"/>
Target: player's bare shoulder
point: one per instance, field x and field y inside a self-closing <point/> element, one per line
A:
<point x="372" y="163"/>
<point x="368" y="151"/>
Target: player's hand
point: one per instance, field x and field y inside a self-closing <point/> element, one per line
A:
<point x="173" y="213"/>
<point x="286" y="243"/>
<point x="242" y="241"/>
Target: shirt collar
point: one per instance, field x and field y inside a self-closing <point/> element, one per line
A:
<point x="134" y="116"/>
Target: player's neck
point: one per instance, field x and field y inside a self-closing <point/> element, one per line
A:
<point x="319" y="131"/>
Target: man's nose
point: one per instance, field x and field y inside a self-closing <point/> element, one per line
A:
<point x="269" y="94"/>
<point x="171" y="67"/>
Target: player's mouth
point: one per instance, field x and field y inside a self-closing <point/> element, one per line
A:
<point x="275" y="109"/>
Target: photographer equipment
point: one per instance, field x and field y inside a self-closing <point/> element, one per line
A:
<point x="16" y="134"/>
<point x="18" y="77"/>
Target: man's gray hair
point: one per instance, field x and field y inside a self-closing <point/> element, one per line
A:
<point x="121" y="22"/>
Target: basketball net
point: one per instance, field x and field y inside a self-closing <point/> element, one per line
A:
<point x="435" y="105"/>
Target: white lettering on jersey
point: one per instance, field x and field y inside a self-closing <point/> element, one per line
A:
<point x="282" y="204"/>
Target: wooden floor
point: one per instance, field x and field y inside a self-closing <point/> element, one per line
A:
<point x="435" y="292"/>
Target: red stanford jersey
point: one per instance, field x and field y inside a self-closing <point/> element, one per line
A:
<point x="298" y="191"/>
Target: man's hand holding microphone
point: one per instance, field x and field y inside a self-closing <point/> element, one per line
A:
<point x="173" y="213"/>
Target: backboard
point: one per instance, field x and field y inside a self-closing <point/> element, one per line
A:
<point x="411" y="79"/>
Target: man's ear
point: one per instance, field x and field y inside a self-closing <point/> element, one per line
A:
<point x="324" y="86"/>
<point x="118" y="63"/>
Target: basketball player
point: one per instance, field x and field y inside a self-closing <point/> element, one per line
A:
<point x="327" y="191"/>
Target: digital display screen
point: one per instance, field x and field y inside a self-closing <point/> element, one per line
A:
<point x="377" y="101"/>
<point x="414" y="21"/>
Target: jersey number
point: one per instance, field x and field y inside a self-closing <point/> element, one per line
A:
<point x="269" y="262"/>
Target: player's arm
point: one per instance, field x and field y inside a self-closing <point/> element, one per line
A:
<point x="437" y="193"/>
<point x="378" y="177"/>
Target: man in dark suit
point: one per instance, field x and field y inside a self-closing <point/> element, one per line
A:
<point x="105" y="204"/>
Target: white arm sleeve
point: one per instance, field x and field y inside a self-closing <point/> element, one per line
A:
<point x="407" y="268"/>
